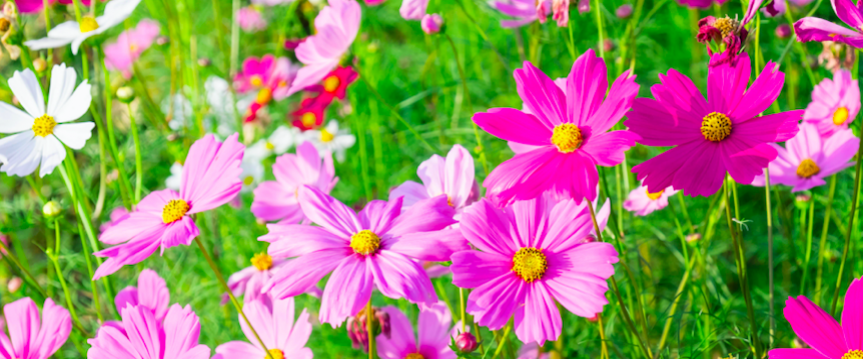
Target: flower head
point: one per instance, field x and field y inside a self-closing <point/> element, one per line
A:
<point x="140" y="335"/>
<point x="434" y="326"/>
<point x="73" y="32"/>
<point x="248" y="281"/>
<point x="283" y="337"/>
<point x="310" y="114"/>
<point x="29" y="337"/>
<point x="529" y="255"/>
<point x="336" y="83"/>
<point x="250" y="19"/>
<point x="835" y="103"/>
<point x="121" y="54"/>
<point x="523" y="11"/>
<point x="817" y="29"/>
<point x="151" y="293"/>
<point x="643" y="202"/>
<point x="330" y="140"/>
<point x="714" y="137"/>
<point x="39" y="132"/>
<point x="452" y="176"/>
<point x="569" y="128"/>
<point x="255" y="73"/>
<point x="432" y="23"/>
<point x="413" y="9"/>
<point x="375" y="248"/>
<point x="211" y="178"/>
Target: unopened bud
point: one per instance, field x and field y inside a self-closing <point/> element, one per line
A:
<point x="125" y="94"/>
<point x="204" y="62"/>
<point x="695" y="237"/>
<point x="51" y="209"/>
<point x="14" y="284"/>
<point x="161" y="40"/>
<point x="431" y="23"/>
<point x="783" y="31"/>
<point x="624" y="11"/>
<point x="583" y="6"/>
<point x="466" y="342"/>
<point x="40" y="65"/>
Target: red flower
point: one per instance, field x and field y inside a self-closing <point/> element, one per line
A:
<point x="310" y="115"/>
<point x="335" y="84"/>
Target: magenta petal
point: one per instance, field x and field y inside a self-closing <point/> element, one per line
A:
<point x="433" y="326"/>
<point x="401" y="340"/>
<point x="541" y="95"/>
<point x="328" y="212"/>
<point x="815" y="327"/>
<point x="777" y="127"/>
<point x="852" y="315"/>
<point x="128" y="253"/>
<point x="487" y="228"/>
<point x="302" y="273"/>
<point x="585" y="89"/>
<point x="659" y="125"/>
<point x="571" y="228"/>
<point x="429" y="215"/>
<point x="527" y="175"/>
<point x="211" y="174"/>
<point x="471" y="269"/>
<point x="55" y="329"/>
<point x="378" y="215"/>
<point x="179" y="232"/>
<point x="577" y="278"/>
<point x="513" y="125"/>
<point x="815" y="29"/>
<point x="435" y="246"/>
<point x="493" y="303"/>
<point x="182" y="329"/>
<point x="153" y="293"/>
<point x="538" y="320"/>
<point x="726" y="84"/>
<point x="293" y="240"/>
<point x="795" y="354"/>
<point x="848" y="13"/>
<point x="617" y="104"/>
<point x="143" y="331"/>
<point x="760" y="95"/>
<point x="348" y="290"/>
<point x="607" y="149"/>
<point x="744" y="162"/>
<point x="397" y="276"/>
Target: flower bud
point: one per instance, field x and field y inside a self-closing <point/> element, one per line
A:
<point x="204" y="62"/>
<point x="583" y="6"/>
<point x="161" y="40"/>
<point x="466" y="342"/>
<point x="51" y="209"/>
<point x="431" y="23"/>
<point x="695" y="237"/>
<point x="358" y="333"/>
<point x="783" y="31"/>
<point x="40" y="65"/>
<point x="14" y="284"/>
<point x="125" y="94"/>
<point x="624" y="11"/>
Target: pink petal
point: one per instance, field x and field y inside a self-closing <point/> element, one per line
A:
<point x="815" y="327"/>
<point x="211" y="173"/>
<point x="538" y="320"/>
<point x="153" y="293"/>
<point x="401" y="340"/>
<point x="410" y="192"/>
<point x="585" y="88"/>
<point x="777" y="127"/>
<point x="726" y="84"/>
<point x="294" y="240"/>
<point x="378" y="215"/>
<point x="397" y="276"/>
<point x="471" y="269"/>
<point x="328" y="212"/>
<point x="848" y="13"/>
<point x="348" y="290"/>
<point x="487" y="228"/>
<point x="111" y="343"/>
<point x="494" y="302"/>
<point x="437" y="246"/>
<point x="459" y="175"/>
<point x="795" y="354"/>
<point x="660" y="125"/>
<point x="274" y="202"/>
<point x="764" y="90"/>
<point x="577" y="278"/>
<point x="617" y="104"/>
<point x="304" y="272"/>
<point x="143" y="331"/>
<point x="433" y="326"/>
<point x="238" y="349"/>
<point x="852" y="315"/>
<point x="571" y="226"/>
<point x="128" y="253"/>
<point x="182" y="329"/>
<point x="261" y="318"/>
<point x="607" y="149"/>
<point x="541" y="96"/>
<point x="22" y="321"/>
<point x="514" y="125"/>
<point x="815" y="29"/>
<point x="745" y="161"/>
<point x="429" y="215"/>
<point x="413" y="9"/>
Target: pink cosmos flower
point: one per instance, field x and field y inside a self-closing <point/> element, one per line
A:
<point x="817" y="29"/>
<point x="531" y="351"/>
<point x="337" y="26"/>
<point x="560" y="12"/>
<point x="722" y="134"/>
<point x="151" y="293"/>
<point x="30" y="338"/>
<point x="434" y="327"/>
<point x="701" y="4"/>
<point x="275" y="324"/>
<point x="117" y="215"/>
<point x="835" y="103"/>
<point x="571" y="130"/>
<point x="375" y="248"/>
<point x="532" y="255"/>
<point x="643" y="202"/>
<point x="141" y="336"/>
<point x="524" y="11"/>
<point x="255" y="73"/>
<point x="774" y="8"/>
<point x="278" y="200"/>
<point x="211" y="178"/>
<point x="122" y="54"/>
<point x="250" y="19"/>
<point x="336" y="83"/>
<point x="728" y="33"/>
<point x="453" y="176"/>
<point x="431" y="23"/>
<point x="248" y="281"/>
<point x="827" y="339"/>
<point x="413" y="9"/>
<point x="808" y="158"/>
<point x="283" y="74"/>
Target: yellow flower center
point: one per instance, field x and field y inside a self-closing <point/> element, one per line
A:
<point x="853" y="354"/>
<point x="248" y="180"/>
<point x="331" y="83"/>
<point x="262" y="261"/>
<point x="264" y="96"/>
<point x="567" y="137"/>
<point x="415" y="356"/>
<point x="715" y="126"/>
<point x="308" y="119"/>
<point x="529" y="264"/>
<point x="726" y="25"/>
<point x="365" y="242"/>
<point x="87" y="24"/>
<point x="283" y="83"/>
<point x="326" y="136"/>
<point x="270" y="146"/>
<point x="5" y="24"/>
<point x="654" y="195"/>
<point x="256" y="80"/>
<point x="44" y="125"/>
<point x="133" y="47"/>
<point x="174" y="210"/>
<point x="275" y="354"/>
<point x="840" y="116"/>
<point x="808" y="168"/>
<point x="449" y="201"/>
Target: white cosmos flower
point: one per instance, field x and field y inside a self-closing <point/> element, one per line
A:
<point x="331" y="140"/>
<point x="116" y="11"/>
<point x="38" y="132"/>
<point x="283" y="138"/>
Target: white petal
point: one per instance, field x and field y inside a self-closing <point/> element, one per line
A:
<point x="53" y="154"/>
<point x="76" y="105"/>
<point x="20" y="153"/>
<point x="76" y="43"/>
<point x="62" y="84"/>
<point x="26" y="88"/>
<point x="13" y="120"/>
<point x="74" y="135"/>
<point x="47" y="43"/>
<point x="67" y="30"/>
<point x="115" y="12"/>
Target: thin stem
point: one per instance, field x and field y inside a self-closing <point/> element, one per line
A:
<point x="685" y="212"/>
<point x="850" y="227"/>
<point x="462" y="308"/>
<point x="822" y="245"/>
<point x="503" y="339"/>
<point x="673" y="309"/>
<point x="769" y="254"/>
<point x="741" y="271"/>
<point x="597" y="11"/>
<point x="370" y="330"/>
<point x="604" y="345"/>
<point x="234" y="300"/>
<point x="808" y="246"/>
<point x="54" y="254"/>
<point x="481" y="148"/>
<point x="27" y="274"/>
<point x="139" y="167"/>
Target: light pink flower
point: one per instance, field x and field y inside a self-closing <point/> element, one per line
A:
<point x="413" y="9"/>
<point x="530" y="256"/>
<point x="560" y="11"/>
<point x="817" y="29"/>
<point x="523" y="11"/>
<point x="250" y="19"/>
<point x="701" y="4"/>
<point x="122" y="54"/>
<point x="30" y="338"/>
<point x="275" y="325"/>
<point x="278" y="200"/>
<point x="434" y="327"/>
<point x="248" y="281"/>
<point x="337" y="26"/>
<point x="808" y="158"/>
<point x="117" y="215"/>
<point x="151" y="293"/>
<point x="141" y="336"/>
<point x="643" y="202"/>
<point x="453" y="176"/>
<point x="531" y="351"/>
<point x="571" y="129"/>
<point x="255" y="73"/>
<point x="270" y="2"/>
<point x="283" y="74"/>
<point x="431" y="23"/>
<point x="211" y="178"/>
<point x="835" y="103"/>
<point x="375" y="248"/>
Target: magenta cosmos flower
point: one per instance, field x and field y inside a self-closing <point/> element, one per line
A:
<point x="722" y="134"/>
<point x="275" y="324"/>
<point x="821" y="332"/>
<point x="278" y="200"/>
<point x="434" y="327"/>
<point x="532" y="255"/>
<point x="122" y="54"/>
<point x="808" y="158"/>
<point x="211" y="178"/>
<point x="151" y="293"/>
<point x="337" y="26"/>
<point x="141" y="336"/>
<point x="817" y="29"/>
<point x="643" y="202"/>
<point x="28" y="337"/>
<point x="835" y="103"/>
<point x="523" y="11"/>
<point x="701" y="4"/>
<point x="571" y="130"/>
<point x="453" y="176"/>
<point x="376" y="247"/>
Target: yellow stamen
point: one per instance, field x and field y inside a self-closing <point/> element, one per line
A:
<point x="275" y="353"/>
<point x="853" y="354"/>
<point x="365" y="242"/>
<point x="567" y="137"/>
<point x="331" y="83"/>
<point x="262" y="261"/>
<point x="840" y="116"/>
<point x="726" y="25"/>
<point x="715" y="126"/>
<point x="248" y="180"/>
<point x="529" y="263"/>
<point x="256" y="80"/>
<point x="808" y="168"/>
<point x="87" y="24"/>
<point x="174" y="210"/>
<point x="309" y="119"/>
<point x="264" y="96"/>
<point x="449" y="201"/>
<point x="283" y="83"/>
<point x="326" y="136"/>
<point x="133" y="47"/>
<point x="44" y="125"/>
<point x="270" y="146"/>
<point x="415" y="356"/>
<point x="654" y="195"/>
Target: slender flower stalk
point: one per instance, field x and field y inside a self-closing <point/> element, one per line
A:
<point x="769" y="254"/>
<point x="604" y="345"/>
<point x="597" y="11"/>
<point x="23" y="270"/>
<point x="677" y="295"/>
<point x="370" y="323"/>
<point x="851" y="217"/>
<point x="822" y="245"/>
<point x="139" y="167"/>
<point x="54" y="256"/>
<point x="504" y="336"/>
<point x="739" y="257"/>
<point x="808" y="255"/>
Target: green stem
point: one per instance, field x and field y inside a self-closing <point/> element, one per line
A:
<point x="677" y="295"/>
<point x="769" y="255"/>
<point x="808" y="255"/>
<point x="741" y="272"/>
<point x="112" y="142"/>
<point x="54" y="256"/>
<point x="480" y="147"/>
<point x="603" y="344"/>
<point x="597" y="11"/>
<point x="503" y="339"/>
<point x="850" y="227"/>
<point x="23" y="270"/>
<point x="370" y="330"/>
<point x="462" y="309"/>
<point x="685" y="212"/>
<point x="139" y="167"/>
<point x="822" y="245"/>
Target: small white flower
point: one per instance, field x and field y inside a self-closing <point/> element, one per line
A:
<point x="116" y="11"/>
<point x="39" y="134"/>
<point x="331" y="140"/>
<point x="175" y="179"/>
<point x="283" y="138"/>
<point x="252" y="165"/>
<point x="221" y="103"/>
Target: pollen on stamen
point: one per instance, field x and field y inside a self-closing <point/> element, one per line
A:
<point x="256" y="81"/>
<point x="262" y="261"/>
<point x="308" y="119"/>
<point x="807" y="169"/>
<point x="840" y="116"/>
<point x="174" y="210"/>
<point x="715" y="126"/>
<point x="415" y="356"/>
<point x="326" y="136"/>
<point x="44" y="125"/>
<point x="87" y="24"/>
<point x="331" y="84"/>
<point x="365" y="242"/>
<point x="530" y="264"/>
<point x="726" y="25"/>
<point x="853" y="354"/>
<point x="275" y="354"/>
<point x="567" y="137"/>
<point x="654" y="195"/>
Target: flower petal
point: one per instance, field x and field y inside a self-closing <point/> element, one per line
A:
<point x="26" y="88"/>
<point x="22" y="320"/>
<point x="437" y="246"/>
<point x="494" y="302"/>
<point x="14" y="120"/>
<point x="74" y="135"/>
<point x="541" y="95"/>
<point x="348" y="290"/>
<point x="294" y="240"/>
<point x="471" y="269"/>
<point x="815" y="327"/>
<point x="302" y="273"/>
<point x="514" y="125"/>
<point x="53" y="154"/>
<point x="211" y="174"/>
<point x="852" y="315"/>
<point x="397" y="276"/>
<point x="429" y="215"/>
<point x="758" y="97"/>
<point x="538" y="320"/>
<point x="585" y="88"/>
<point x="726" y="84"/>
